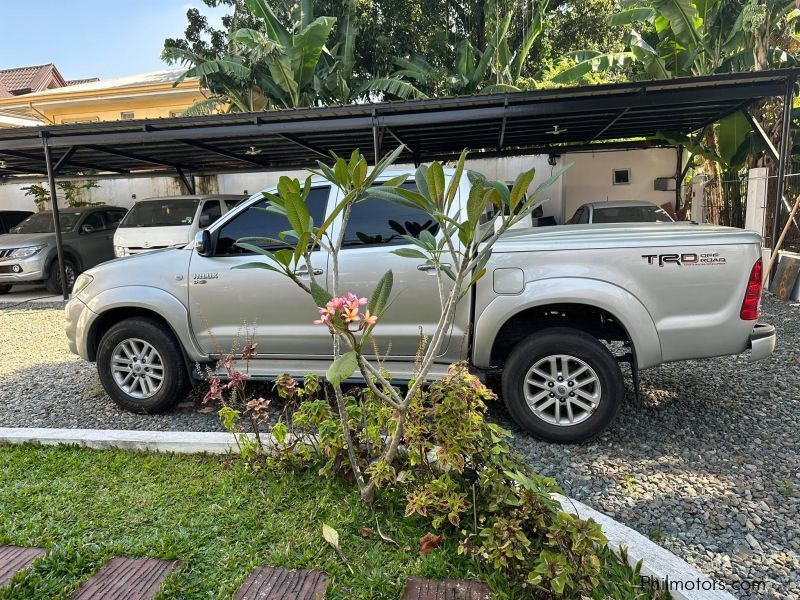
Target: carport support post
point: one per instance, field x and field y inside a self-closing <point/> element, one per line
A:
<point x="51" y="180"/>
<point x="783" y="154"/>
<point x="678" y="177"/>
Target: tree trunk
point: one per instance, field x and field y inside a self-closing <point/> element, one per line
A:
<point x="761" y="51"/>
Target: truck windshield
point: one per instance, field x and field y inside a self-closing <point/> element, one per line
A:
<point x="631" y="214"/>
<point x="161" y="213"/>
<point x="43" y="222"/>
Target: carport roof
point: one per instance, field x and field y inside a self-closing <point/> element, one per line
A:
<point x="541" y="121"/>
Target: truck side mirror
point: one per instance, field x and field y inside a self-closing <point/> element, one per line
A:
<point x="202" y="243"/>
<point x="205" y="221"/>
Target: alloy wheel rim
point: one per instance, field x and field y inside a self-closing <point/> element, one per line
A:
<point x="562" y="390"/>
<point x="70" y="276"/>
<point x="137" y="368"/>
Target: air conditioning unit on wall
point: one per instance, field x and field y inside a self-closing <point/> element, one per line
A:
<point x="664" y="184"/>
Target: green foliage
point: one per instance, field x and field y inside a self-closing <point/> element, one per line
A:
<point x="432" y="445"/>
<point x="734" y="139"/>
<point x="458" y="473"/>
<point x="342" y="368"/>
<point x="494" y="66"/>
<point x="212" y="513"/>
<point x="40" y="194"/>
<point x="73" y="193"/>
<point x="674" y="38"/>
<point x="266" y="63"/>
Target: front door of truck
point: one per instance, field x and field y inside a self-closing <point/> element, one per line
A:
<point x="227" y="306"/>
<point x="374" y="229"/>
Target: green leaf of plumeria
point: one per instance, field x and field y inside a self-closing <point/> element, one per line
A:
<point x="320" y="294"/>
<point x="380" y="297"/>
<point x="409" y="253"/>
<point x="520" y="187"/>
<point x="340" y="369"/>
<point x="257" y="265"/>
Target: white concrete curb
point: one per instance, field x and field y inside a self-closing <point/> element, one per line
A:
<point x="184" y="442"/>
<point x="686" y="582"/>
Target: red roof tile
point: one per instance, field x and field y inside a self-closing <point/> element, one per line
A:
<point x="23" y="80"/>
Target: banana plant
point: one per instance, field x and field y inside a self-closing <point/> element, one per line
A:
<point x="287" y="73"/>
<point x="229" y="80"/>
<point x="695" y="37"/>
<point x="758" y="25"/>
<point x="278" y="65"/>
<point x="495" y="68"/>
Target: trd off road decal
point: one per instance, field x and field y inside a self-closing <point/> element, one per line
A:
<point x="687" y="259"/>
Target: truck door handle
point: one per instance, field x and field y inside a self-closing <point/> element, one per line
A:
<point x="425" y="267"/>
<point x="304" y="272"/>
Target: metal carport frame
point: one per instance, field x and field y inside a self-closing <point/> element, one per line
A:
<point x="554" y="121"/>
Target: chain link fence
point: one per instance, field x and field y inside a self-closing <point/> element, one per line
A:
<point x="791" y="190"/>
<point x="726" y="201"/>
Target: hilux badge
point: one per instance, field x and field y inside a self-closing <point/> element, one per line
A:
<point x="199" y="278"/>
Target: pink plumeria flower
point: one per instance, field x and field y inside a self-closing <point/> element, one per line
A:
<point x="353" y="299"/>
<point x="350" y="315"/>
<point x="369" y="318"/>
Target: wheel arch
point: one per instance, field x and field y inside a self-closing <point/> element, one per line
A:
<point x="600" y="308"/>
<point x="69" y="254"/>
<point x="117" y="304"/>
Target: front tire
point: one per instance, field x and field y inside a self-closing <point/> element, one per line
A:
<point x="141" y="366"/>
<point x="562" y="385"/>
<point x="53" y="281"/>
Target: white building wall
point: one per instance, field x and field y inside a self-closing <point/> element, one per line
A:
<point x="115" y="192"/>
<point x="13" y="198"/>
<point x="589" y="180"/>
<point x="505" y="169"/>
<point x="591" y="177"/>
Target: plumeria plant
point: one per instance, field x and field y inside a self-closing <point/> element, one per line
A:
<point x="466" y="230"/>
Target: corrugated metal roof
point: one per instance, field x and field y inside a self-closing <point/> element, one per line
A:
<point x="540" y="121"/>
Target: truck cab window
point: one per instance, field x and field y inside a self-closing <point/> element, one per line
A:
<point x="257" y="221"/>
<point x="379" y="222"/>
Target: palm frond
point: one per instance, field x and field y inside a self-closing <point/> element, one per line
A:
<point x="394" y="87"/>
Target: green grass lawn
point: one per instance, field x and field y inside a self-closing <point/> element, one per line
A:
<point x="220" y="520"/>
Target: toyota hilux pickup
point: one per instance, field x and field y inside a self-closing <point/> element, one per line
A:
<point x="556" y="313"/>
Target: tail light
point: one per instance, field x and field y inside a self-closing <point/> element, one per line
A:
<point x="752" y="296"/>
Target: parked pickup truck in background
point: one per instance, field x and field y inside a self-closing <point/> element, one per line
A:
<point x="554" y="303"/>
<point x="28" y="252"/>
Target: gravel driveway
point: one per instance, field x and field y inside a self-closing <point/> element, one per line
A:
<point x="42" y="384"/>
<point x="706" y="463"/>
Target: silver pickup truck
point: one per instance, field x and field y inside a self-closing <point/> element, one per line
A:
<point x="558" y="310"/>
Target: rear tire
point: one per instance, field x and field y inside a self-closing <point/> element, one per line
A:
<point x="53" y="281"/>
<point x="141" y="366"/>
<point x="5" y="288"/>
<point x="562" y="385"/>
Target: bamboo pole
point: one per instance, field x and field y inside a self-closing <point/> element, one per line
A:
<point x="774" y="255"/>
